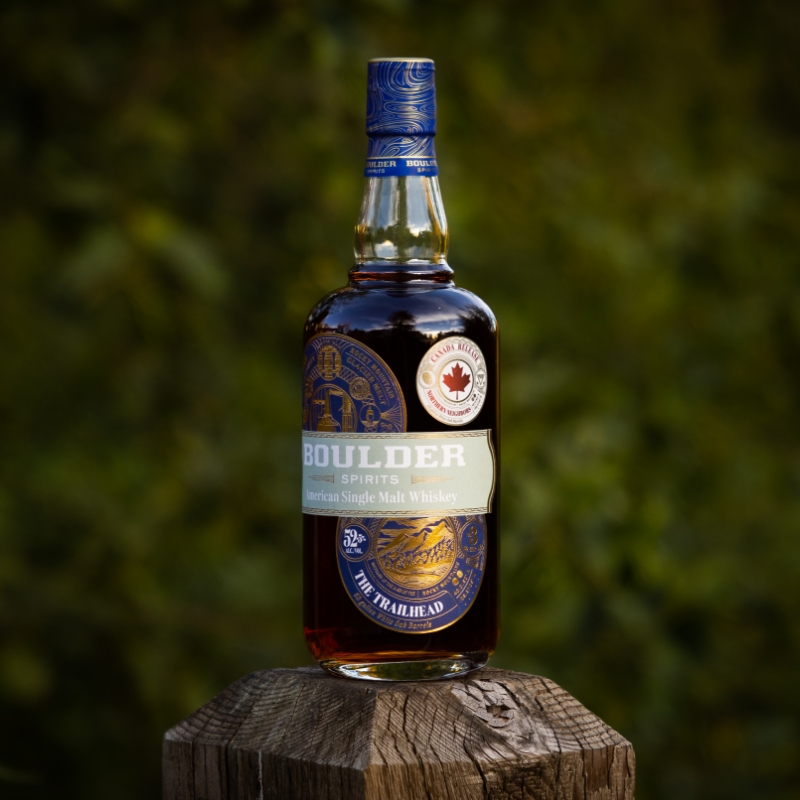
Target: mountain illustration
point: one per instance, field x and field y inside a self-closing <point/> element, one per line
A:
<point x="414" y="549"/>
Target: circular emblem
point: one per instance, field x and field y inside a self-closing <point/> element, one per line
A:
<point x="451" y="380"/>
<point x="348" y="388"/>
<point x="354" y="541"/>
<point x="415" y="575"/>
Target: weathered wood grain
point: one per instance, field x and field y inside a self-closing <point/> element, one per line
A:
<point x="303" y="735"/>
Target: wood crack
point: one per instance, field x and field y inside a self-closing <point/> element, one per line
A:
<point x="410" y="740"/>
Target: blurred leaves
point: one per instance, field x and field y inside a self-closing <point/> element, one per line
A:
<point x="180" y="184"/>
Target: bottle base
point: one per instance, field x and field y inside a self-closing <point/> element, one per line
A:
<point x="434" y="669"/>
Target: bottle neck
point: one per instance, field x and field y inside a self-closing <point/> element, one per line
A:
<point x="402" y="228"/>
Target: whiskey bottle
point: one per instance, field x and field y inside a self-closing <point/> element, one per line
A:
<point x="400" y="424"/>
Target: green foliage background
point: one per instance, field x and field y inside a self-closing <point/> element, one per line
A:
<point x="179" y="185"/>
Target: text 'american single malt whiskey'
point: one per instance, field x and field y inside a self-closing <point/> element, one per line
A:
<point x="400" y="424"/>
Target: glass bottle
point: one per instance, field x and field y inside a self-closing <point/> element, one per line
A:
<point x="400" y="421"/>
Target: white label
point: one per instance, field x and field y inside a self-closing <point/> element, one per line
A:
<point x="398" y="474"/>
<point x="451" y="380"/>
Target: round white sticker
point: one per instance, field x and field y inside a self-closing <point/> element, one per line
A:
<point x="451" y="380"/>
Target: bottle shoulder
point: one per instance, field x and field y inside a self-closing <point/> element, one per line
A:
<point x="433" y="310"/>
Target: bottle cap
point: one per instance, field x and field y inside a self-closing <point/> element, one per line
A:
<point x="401" y="97"/>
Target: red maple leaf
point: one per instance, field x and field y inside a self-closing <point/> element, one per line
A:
<point x="457" y="380"/>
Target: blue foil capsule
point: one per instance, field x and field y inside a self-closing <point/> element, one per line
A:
<point x="401" y="117"/>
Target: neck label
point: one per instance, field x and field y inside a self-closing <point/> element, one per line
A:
<point x="400" y="166"/>
<point x="401" y="155"/>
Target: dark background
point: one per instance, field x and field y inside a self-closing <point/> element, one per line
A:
<point x="178" y="186"/>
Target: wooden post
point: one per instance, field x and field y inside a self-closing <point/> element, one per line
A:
<point x="300" y="734"/>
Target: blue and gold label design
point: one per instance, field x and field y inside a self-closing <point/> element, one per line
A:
<point x="348" y="388"/>
<point x="413" y="575"/>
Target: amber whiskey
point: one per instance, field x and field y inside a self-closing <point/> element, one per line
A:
<point x="400" y="424"/>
